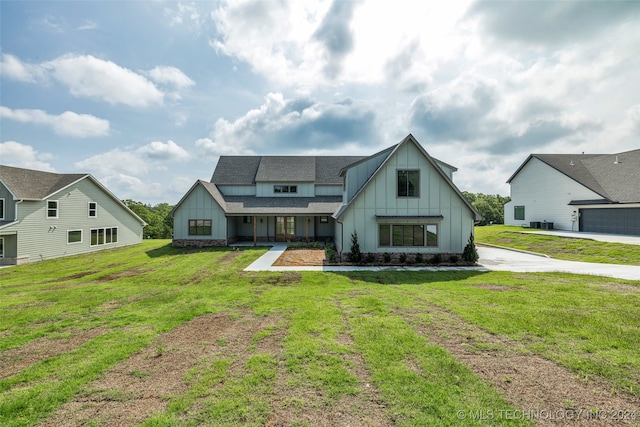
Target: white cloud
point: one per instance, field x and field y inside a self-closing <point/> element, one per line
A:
<point x="116" y="161"/>
<point x="87" y="76"/>
<point x="19" y="155"/>
<point x="12" y="68"/>
<point x="170" y="75"/>
<point x="88" y="25"/>
<point x="310" y="44"/>
<point x="164" y="151"/>
<point x="211" y="148"/>
<point x="65" y="124"/>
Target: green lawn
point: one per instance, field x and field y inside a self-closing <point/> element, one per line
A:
<point x="571" y="249"/>
<point x="317" y="342"/>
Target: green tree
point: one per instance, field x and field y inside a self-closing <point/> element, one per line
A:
<point x="159" y="223"/>
<point x="490" y="206"/>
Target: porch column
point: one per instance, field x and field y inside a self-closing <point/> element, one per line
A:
<point x="255" y="229"/>
<point x="306" y="232"/>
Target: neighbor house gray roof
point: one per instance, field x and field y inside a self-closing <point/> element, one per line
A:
<point x="247" y="170"/>
<point x="30" y="184"/>
<point x="615" y="177"/>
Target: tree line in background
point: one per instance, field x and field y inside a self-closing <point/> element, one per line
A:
<point x="160" y="224"/>
<point x="490" y="206"/>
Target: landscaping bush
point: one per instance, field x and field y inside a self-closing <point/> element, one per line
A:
<point x="453" y="259"/>
<point x="419" y="258"/>
<point x="330" y="254"/>
<point x="470" y="253"/>
<point x="355" y="255"/>
<point x="403" y="258"/>
<point x="436" y="259"/>
<point x="387" y="257"/>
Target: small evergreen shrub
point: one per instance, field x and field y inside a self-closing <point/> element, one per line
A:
<point x="370" y="258"/>
<point x="419" y="258"/>
<point x="453" y="259"/>
<point x="355" y="255"/>
<point x="387" y="257"/>
<point x="403" y="258"/>
<point x="470" y="253"/>
<point x="330" y="254"/>
<point x="437" y="259"/>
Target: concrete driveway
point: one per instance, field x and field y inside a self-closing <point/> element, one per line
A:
<point x="507" y="260"/>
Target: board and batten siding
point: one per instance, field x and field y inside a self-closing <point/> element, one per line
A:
<point x="328" y="190"/>
<point x="358" y="175"/>
<point x="545" y="194"/>
<point x="379" y="198"/>
<point x="199" y="205"/>
<point x="237" y="190"/>
<point x="40" y="238"/>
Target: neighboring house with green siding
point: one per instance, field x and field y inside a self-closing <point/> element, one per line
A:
<point x="398" y="200"/>
<point x="47" y="215"/>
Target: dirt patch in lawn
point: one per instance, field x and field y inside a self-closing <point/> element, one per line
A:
<point x="137" y="387"/>
<point x="14" y="360"/>
<point x="552" y="394"/>
<point x="301" y="257"/>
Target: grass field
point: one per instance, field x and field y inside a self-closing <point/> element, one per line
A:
<point x="156" y="336"/>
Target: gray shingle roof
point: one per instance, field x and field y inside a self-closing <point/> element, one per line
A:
<point x="35" y="185"/>
<point x="247" y="170"/>
<point x="615" y="182"/>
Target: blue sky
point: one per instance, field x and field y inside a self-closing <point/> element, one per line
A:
<point x="146" y="95"/>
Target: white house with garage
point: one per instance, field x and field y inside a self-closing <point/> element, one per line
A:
<point x="578" y="192"/>
<point x="47" y="215"/>
<point x="397" y="200"/>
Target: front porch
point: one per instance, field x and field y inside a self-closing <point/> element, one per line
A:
<point x="280" y="228"/>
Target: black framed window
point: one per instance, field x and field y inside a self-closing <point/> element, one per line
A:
<point x="408" y="183"/>
<point x="199" y="227"/>
<point x="518" y="213"/>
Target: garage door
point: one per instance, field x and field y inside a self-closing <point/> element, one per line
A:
<point x="612" y="221"/>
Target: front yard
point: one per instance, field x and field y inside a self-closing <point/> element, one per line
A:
<point x="156" y="336"/>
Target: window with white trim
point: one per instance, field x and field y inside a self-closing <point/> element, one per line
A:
<point x="93" y="210"/>
<point x="52" y="209"/>
<point x="104" y="236"/>
<point x="74" y="236"/>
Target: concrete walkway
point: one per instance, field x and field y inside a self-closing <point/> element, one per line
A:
<point x="491" y="259"/>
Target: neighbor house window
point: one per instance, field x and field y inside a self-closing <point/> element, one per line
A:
<point x="407" y="235"/>
<point x="103" y="236"/>
<point x="74" y="236"/>
<point x="285" y="188"/>
<point x="1" y="247"/>
<point x="199" y="227"/>
<point x="518" y="213"/>
<point x="408" y="183"/>
<point x="93" y="210"/>
<point x="52" y="209"/>
<point x="247" y="219"/>
<point x="1" y="208"/>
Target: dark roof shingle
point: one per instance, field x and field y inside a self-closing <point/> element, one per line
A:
<point x="33" y="184"/>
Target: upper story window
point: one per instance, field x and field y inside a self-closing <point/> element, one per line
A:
<point x="285" y="188"/>
<point x="408" y="183"/>
<point x="52" y="209"/>
<point x="1" y="208"/>
<point x="93" y="210"/>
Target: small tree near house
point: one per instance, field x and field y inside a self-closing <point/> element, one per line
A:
<point x="354" y="255"/>
<point x="470" y="253"/>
